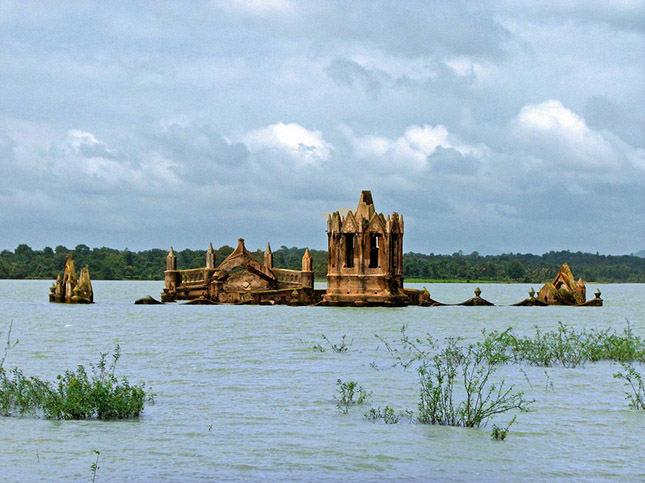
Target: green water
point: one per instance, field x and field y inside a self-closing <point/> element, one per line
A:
<point x="241" y="395"/>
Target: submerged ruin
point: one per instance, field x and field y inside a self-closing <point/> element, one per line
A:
<point x="71" y="288"/>
<point x="565" y="290"/>
<point x="364" y="268"/>
<point x="240" y="279"/>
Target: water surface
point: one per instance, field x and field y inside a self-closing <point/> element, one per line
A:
<point x="241" y="395"/>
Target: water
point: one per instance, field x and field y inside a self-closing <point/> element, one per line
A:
<point x="241" y="395"/>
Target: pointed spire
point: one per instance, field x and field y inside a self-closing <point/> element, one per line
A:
<point x="210" y="257"/>
<point x="365" y="208"/>
<point x="171" y="260"/>
<point x="268" y="257"/>
<point x="307" y="261"/>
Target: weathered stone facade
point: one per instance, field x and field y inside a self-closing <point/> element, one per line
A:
<point x="240" y="279"/>
<point x="364" y="268"/>
<point x="70" y="288"/>
<point x="365" y="257"/>
<point x="564" y="290"/>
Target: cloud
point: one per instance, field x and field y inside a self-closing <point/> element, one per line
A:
<point x="301" y="145"/>
<point x="349" y="73"/>
<point x="255" y="7"/>
<point x="558" y="135"/>
<point x="7" y="147"/>
<point x="162" y="121"/>
<point x="622" y="14"/>
<point x="412" y="150"/>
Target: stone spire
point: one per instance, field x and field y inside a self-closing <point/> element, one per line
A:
<point x="210" y="257"/>
<point x="268" y="258"/>
<point x="171" y="260"/>
<point x="365" y="208"/>
<point x="307" y="262"/>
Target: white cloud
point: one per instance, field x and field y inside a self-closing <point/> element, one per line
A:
<point x="412" y="149"/>
<point x="558" y="135"/>
<point x="299" y="143"/>
<point x="256" y="7"/>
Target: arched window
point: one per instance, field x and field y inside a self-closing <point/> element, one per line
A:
<point x="374" y="248"/>
<point x="349" y="250"/>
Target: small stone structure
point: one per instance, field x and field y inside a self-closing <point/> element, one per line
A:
<point x="240" y="279"/>
<point x="70" y="288"/>
<point x="564" y="290"/>
<point x="476" y="301"/>
<point x="531" y="301"/>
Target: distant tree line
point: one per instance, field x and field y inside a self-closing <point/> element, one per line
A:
<point x="111" y="264"/>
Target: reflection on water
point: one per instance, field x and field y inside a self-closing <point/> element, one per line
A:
<point x="242" y="395"/>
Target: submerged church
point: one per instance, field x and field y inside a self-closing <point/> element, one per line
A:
<point x="364" y="267"/>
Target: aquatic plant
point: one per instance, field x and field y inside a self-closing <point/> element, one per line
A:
<point x="565" y="346"/>
<point x="76" y="395"/>
<point x="388" y="415"/>
<point x="338" y="348"/>
<point x="405" y="350"/>
<point x="94" y="467"/>
<point x="456" y="389"/>
<point x="350" y="393"/>
<point x="499" y="434"/>
<point x="634" y="381"/>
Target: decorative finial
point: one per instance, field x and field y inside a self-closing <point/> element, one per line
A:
<point x="532" y="293"/>
<point x="477" y="292"/>
<point x="597" y="293"/>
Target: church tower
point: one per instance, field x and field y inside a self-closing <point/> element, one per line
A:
<point x="365" y="257"/>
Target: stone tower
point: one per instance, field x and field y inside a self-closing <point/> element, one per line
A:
<point x="171" y="260"/>
<point x="268" y="258"/>
<point x="210" y="257"/>
<point x="365" y="257"/>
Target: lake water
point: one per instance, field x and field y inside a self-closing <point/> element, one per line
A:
<point x="241" y="395"/>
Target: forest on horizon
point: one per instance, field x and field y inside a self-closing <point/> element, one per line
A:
<point x="113" y="264"/>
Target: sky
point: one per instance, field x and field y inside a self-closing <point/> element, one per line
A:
<point x="495" y="126"/>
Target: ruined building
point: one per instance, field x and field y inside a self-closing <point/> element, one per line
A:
<point x="71" y="288"/>
<point x="365" y="257"/>
<point x="240" y="279"/>
<point x="564" y="290"/>
<point x="364" y="267"/>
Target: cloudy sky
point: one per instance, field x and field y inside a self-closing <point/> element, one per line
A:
<point x="509" y="126"/>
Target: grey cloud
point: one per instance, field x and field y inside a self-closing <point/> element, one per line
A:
<point x="349" y="73"/>
<point x="626" y="121"/>
<point x="450" y="161"/>
<point x="119" y="70"/>
<point x="7" y="146"/>
<point x="625" y="15"/>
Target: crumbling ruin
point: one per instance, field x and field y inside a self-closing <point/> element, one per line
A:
<point x="565" y="290"/>
<point x="240" y="279"/>
<point x="365" y="257"/>
<point x="70" y="288"/>
<point x="364" y="268"/>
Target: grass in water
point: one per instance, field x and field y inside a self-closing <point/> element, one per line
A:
<point x="456" y="389"/>
<point x="338" y="348"/>
<point x="564" y="346"/>
<point x="75" y="395"/>
<point x="499" y="434"/>
<point x="634" y="382"/>
<point x="350" y="393"/>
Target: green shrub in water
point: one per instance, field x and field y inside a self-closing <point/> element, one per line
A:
<point x="75" y="395"/>
<point x="456" y="389"/>
<point x="350" y="394"/>
<point x="564" y="346"/>
<point x="634" y="381"/>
